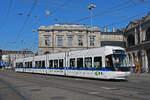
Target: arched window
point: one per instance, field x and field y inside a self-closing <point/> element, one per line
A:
<point x="47" y="52"/>
<point x="148" y="34"/>
<point x="131" y="40"/>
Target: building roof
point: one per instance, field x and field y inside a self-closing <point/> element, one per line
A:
<point x="68" y="27"/>
<point x="134" y="23"/>
<point x="16" y="52"/>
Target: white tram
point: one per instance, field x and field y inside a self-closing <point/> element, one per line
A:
<point x="107" y="62"/>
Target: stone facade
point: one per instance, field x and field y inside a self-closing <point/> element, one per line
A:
<point x="137" y="36"/>
<point x="60" y="38"/>
<point x="112" y="39"/>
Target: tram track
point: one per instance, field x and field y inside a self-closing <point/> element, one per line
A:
<point x="42" y="80"/>
<point x="14" y="91"/>
<point x="96" y="81"/>
<point x="55" y="85"/>
<point x="98" y="94"/>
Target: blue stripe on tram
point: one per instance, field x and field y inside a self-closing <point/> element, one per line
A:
<point x="67" y="68"/>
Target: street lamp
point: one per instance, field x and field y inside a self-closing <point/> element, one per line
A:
<point x="90" y="7"/>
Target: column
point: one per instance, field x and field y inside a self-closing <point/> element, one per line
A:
<point x="143" y="67"/>
<point x="146" y="62"/>
<point x="135" y="36"/>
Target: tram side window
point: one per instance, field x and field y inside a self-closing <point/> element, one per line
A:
<point x="19" y="64"/>
<point x="88" y="62"/>
<point x="109" y="63"/>
<point x="97" y="62"/>
<point x="30" y="64"/>
<point x="40" y="63"/>
<point x="55" y="63"/>
<point x="43" y="64"/>
<point x="51" y="64"/>
<point x="61" y="63"/>
<point x="72" y="63"/>
<point x="36" y="63"/>
<point x="79" y="63"/>
<point x="26" y="64"/>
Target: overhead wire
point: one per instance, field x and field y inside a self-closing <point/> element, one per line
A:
<point x="51" y="12"/>
<point x="101" y="13"/>
<point x="107" y="11"/>
<point x="41" y="17"/>
<point x="55" y="6"/>
<point x="85" y="18"/>
<point x="125" y="20"/>
<point x="7" y="14"/>
<point x="26" y="20"/>
<point x="69" y="3"/>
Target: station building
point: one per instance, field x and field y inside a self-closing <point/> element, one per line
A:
<point x="67" y="37"/>
<point x="137" y="37"/>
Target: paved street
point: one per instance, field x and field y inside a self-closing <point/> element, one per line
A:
<point x="24" y="86"/>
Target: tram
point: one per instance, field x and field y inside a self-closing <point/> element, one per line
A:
<point x="108" y="62"/>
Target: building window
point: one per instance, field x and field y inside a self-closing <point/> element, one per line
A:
<point x="92" y="41"/>
<point x="47" y="52"/>
<point x="59" y="40"/>
<point x="130" y="40"/>
<point x="70" y="41"/>
<point x="148" y="34"/>
<point x="80" y="41"/>
<point x="47" y="41"/>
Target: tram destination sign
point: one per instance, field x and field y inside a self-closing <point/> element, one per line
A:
<point x="118" y="52"/>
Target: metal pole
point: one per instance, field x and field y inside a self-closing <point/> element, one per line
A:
<point x="34" y="39"/>
<point x="22" y="43"/>
<point x="90" y="7"/>
<point x="91" y="17"/>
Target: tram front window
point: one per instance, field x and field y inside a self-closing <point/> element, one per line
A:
<point x="117" y="62"/>
<point x="120" y="62"/>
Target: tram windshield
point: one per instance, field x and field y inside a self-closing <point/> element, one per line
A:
<point x="117" y="61"/>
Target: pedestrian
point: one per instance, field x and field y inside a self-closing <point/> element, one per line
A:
<point x="138" y="68"/>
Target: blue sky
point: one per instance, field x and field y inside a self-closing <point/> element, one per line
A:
<point x="20" y="17"/>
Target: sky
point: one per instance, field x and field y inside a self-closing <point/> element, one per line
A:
<point x="20" y="19"/>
